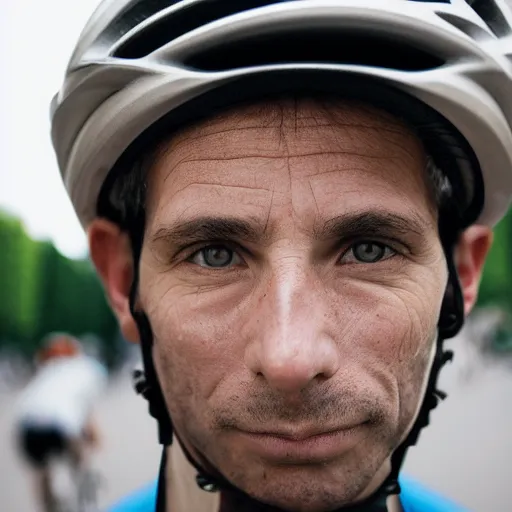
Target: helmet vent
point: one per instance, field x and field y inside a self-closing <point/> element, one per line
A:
<point x="492" y="15"/>
<point x="179" y="22"/>
<point x="133" y="16"/>
<point x="470" y="29"/>
<point x="314" y="46"/>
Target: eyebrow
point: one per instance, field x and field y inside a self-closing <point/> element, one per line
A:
<point x="210" y="228"/>
<point x="370" y="223"/>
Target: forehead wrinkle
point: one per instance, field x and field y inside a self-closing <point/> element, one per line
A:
<point x="223" y="124"/>
<point x="179" y="139"/>
<point x="190" y="161"/>
<point x="222" y="186"/>
<point x="298" y="155"/>
<point x="200" y="134"/>
<point x="168" y="156"/>
<point x="295" y="114"/>
<point x="184" y="162"/>
<point x="350" y="170"/>
<point x="392" y="186"/>
<point x="260" y="202"/>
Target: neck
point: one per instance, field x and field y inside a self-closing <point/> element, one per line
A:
<point x="183" y="493"/>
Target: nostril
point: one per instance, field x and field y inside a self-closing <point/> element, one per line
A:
<point x="322" y="377"/>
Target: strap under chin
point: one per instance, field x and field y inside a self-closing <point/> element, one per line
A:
<point x="161" y="505"/>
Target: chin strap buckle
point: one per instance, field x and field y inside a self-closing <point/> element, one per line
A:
<point x="392" y="487"/>
<point x="206" y="484"/>
<point x="140" y="384"/>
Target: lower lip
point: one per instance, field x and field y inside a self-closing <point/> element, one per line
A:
<point x="317" y="448"/>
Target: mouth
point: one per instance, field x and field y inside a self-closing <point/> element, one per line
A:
<point x="303" y="446"/>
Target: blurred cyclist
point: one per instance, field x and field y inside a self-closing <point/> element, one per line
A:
<point x="54" y="417"/>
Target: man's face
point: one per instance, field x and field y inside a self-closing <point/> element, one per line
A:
<point x="293" y="276"/>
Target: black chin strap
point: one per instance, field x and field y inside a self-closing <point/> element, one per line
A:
<point x="147" y="384"/>
<point x="450" y="322"/>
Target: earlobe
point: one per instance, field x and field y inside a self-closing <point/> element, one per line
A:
<point x="472" y="250"/>
<point x="111" y="254"/>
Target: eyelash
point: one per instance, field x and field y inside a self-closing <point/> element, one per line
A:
<point x="389" y="252"/>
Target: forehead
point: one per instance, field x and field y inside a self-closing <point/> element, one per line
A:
<point x="316" y="157"/>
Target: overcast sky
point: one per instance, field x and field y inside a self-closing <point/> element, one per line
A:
<point x="36" y="40"/>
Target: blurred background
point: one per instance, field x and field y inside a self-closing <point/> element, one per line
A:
<point x="48" y="284"/>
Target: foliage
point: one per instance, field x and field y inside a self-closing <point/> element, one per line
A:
<point x="496" y="285"/>
<point x="41" y="291"/>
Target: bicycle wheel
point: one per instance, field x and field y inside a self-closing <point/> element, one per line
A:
<point x="63" y="489"/>
<point x="88" y="487"/>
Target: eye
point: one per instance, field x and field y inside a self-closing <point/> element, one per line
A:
<point x="215" y="256"/>
<point x="367" y="252"/>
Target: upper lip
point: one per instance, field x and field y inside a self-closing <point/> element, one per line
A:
<point x="295" y="434"/>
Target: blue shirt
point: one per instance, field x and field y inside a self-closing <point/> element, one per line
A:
<point x="414" y="498"/>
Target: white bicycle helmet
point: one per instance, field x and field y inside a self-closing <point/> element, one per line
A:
<point x="138" y="60"/>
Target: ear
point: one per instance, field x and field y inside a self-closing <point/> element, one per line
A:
<point x="111" y="254"/>
<point x="470" y="255"/>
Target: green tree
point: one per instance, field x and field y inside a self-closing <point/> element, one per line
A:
<point x="496" y="286"/>
<point x="18" y="288"/>
<point x="41" y="291"/>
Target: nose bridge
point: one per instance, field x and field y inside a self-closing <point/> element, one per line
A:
<point x="291" y="289"/>
<point x="292" y="345"/>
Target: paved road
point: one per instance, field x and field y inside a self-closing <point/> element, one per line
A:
<point x="465" y="453"/>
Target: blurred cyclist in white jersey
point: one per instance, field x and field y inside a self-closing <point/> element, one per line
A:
<point x="54" y="415"/>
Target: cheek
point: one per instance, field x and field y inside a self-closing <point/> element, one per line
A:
<point x="390" y="319"/>
<point x="386" y="333"/>
<point x="401" y="343"/>
<point x="195" y="349"/>
<point x="400" y="327"/>
<point x="415" y="325"/>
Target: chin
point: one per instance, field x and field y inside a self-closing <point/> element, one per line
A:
<point x="310" y="489"/>
<point x="295" y="497"/>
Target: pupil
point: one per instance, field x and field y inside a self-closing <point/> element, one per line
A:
<point x="368" y="252"/>
<point x="217" y="256"/>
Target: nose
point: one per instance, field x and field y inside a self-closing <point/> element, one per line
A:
<point x="291" y="343"/>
